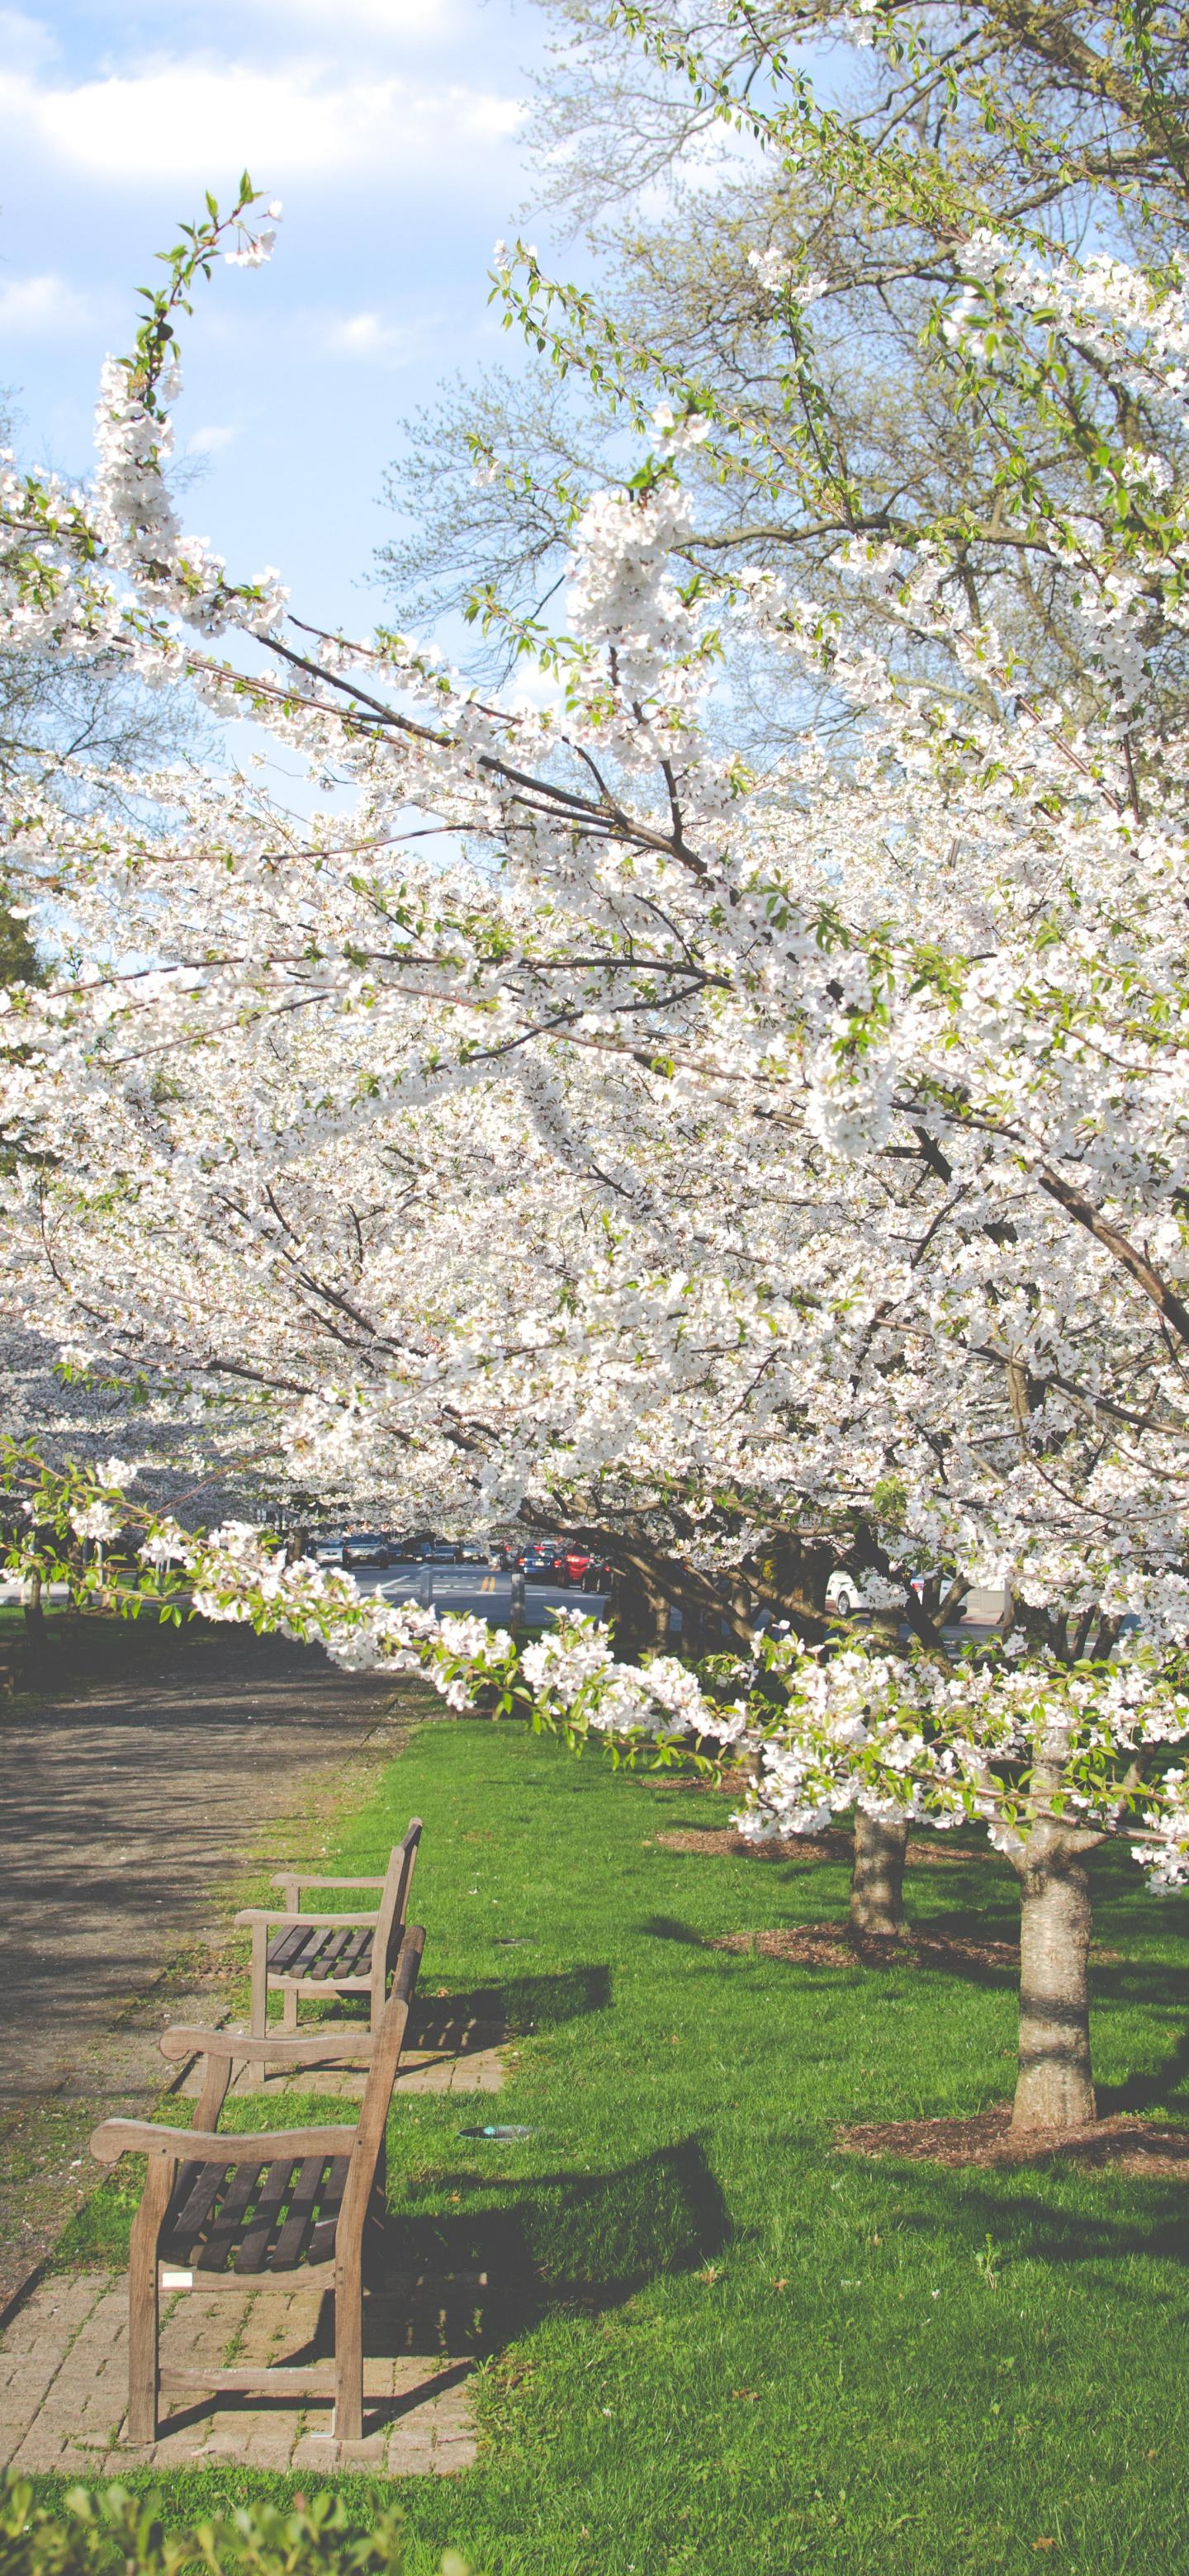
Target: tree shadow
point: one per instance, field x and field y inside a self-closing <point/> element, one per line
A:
<point x="471" y="2280"/>
<point x="1146" y="2092"/>
<point x="969" y="2205"/>
<point x="669" y="1927"/>
<point x="511" y="2008"/>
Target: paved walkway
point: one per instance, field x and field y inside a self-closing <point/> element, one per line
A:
<point x="123" y="1815"/>
<point x="63" y="2383"/>
<point x="126" y="1814"/>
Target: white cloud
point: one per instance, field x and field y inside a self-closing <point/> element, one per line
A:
<point x="417" y="20"/>
<point x="45" y="307"/>
<point x="198" y="121"/>
<point x="211" y="440"/>
<point x="364" y="335"/>
<point x="532" y="688"/>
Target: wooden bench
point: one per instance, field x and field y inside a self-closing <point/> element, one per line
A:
<point x="296" y="1953"/>
<point x="303" y="2206"/>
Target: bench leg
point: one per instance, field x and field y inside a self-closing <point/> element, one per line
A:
<point x="258" y="2011"/>
<point x="142" y="2300"/>
<point x="289" y="2008"/>
<point x="348" y="2353"/>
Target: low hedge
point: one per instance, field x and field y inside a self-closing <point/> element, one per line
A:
<point x="105" y="2531"/>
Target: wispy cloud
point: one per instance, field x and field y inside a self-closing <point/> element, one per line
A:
<point x="195" y="120"/>
<point x="367" y="335"/>
<point x="45" y="307"/>
<point x="400" y="21"/>
<point x="210" y="441"/>
<point x="25" y="43"/>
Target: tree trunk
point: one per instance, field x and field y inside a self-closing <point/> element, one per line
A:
<point x="1054" y="2088"/>
<point x="877" y="1879"/>
<point x="639" y="1615"/>
<point x="34" y="1612"/>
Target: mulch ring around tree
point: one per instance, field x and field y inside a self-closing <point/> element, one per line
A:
<point x="831" y="1945"/>
<point x="709" y="1840"/>
<point x="1121" y="2145"/>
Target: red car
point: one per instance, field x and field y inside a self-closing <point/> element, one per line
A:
<point x="586" y="1572"/>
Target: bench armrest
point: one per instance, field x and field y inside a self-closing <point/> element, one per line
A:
<point x="281" y="2048"/>
<point x="289" y="1878"/>
<point x="289" y="1922"/>
<point x="115" y="2138"/>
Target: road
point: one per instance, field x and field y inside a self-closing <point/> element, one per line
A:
<point x="480" y="1590"/>
<point x="487" y="1593"/>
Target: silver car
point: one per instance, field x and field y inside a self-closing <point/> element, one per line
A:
<point x="365" y="1547"/>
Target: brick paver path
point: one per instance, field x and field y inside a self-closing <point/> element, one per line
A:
<point x="63" y="2380"/>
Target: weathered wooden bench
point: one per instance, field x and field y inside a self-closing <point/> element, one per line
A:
<point x="299" y="1953"/>
<point x="218" y="2211"/>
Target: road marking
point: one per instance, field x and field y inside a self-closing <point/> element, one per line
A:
<point x="488" y="1583"/>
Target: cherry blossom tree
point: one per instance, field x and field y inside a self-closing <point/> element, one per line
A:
<point x="793" y="1164"/>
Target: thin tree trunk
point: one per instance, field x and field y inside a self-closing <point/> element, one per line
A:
<point x="1054" y="2089"/>
<point x="34" y="1612"/>
<point x="877" y="1879"/>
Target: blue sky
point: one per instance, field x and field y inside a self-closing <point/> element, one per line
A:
<point x="393" y="130"/>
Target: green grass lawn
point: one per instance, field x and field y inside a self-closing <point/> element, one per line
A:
<point x="713" y="2343"/>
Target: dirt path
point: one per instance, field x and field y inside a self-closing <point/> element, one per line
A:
<point x="124" y="1814"/>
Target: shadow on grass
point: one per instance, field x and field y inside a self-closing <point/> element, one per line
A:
<point x="473" y="2280"/>
<point x="668" y="1927"/>
<point x="513" y="2007"/>
<point x="1151" y="1983"/>
<point x="1034" y="2225"/>
<point x="1152" y="2091"/>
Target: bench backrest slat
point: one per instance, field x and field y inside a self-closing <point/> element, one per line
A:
<point x="394" y="1902"/>
<point x="386" y="2054"/>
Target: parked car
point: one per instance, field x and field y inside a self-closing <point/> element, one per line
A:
<point x="844" y="1594"/>
<point x="541" y="1565"/>
<point x="586" y="1573"/>
<point x="365" y="1547"/>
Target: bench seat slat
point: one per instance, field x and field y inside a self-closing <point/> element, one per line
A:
<point x="321" y="2246"/>
<point x="313" y="1956"/>
<point x="270" y="2200"/>
<point x="332" y="1951"/>
<point x="287" y="1946"/>
<point x="222" y="2231"/>
<point x="193" y="2194"/>
<point x="303" y="2204"/>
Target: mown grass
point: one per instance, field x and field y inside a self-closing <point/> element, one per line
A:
<point x="712" y="2342"/>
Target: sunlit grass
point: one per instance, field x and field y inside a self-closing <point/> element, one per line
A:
<point x="712" y="2343"/>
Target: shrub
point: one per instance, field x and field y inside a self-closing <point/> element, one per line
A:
<point x="104" y="2531"/>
